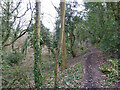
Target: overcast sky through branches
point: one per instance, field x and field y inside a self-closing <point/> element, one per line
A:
<point x="49" y="14"/>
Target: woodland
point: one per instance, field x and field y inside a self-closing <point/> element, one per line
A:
<point x="82" y="52"/>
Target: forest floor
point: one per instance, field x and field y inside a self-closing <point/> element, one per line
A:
<point x="92" y="76"/>
<point x="82" y="71"/>
<point x="85" y="66"/>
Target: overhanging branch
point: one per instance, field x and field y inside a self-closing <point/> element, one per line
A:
<point x="21" y="34"/>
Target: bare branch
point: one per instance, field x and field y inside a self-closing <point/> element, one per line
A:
<point x="16" y="7"/>
<point x="24" y="13"/>
<point x="55" y="7"/>
<point x="15" y="39"/>
<point x="22" y="32"/>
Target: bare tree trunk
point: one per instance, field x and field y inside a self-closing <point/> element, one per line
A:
<point x="63" y="49"/>
<point x="61" y="45"/>
<point x="57" y="67"/>
<point x="72" y="39"/>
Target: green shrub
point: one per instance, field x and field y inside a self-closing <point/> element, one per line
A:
<point x="111" y="71"/>
<point x="14" y="77"/>
<point x="12" y="58"/>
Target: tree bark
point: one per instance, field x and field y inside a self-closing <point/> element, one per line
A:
<point x="63" y="47"/>
<point x="72" y="39"/>
<point x="37" y="52"/>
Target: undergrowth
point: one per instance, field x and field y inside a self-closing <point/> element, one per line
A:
<point x="69" y="78"/>
<point x="111" y="71"/>
<point x="15" y="77"/>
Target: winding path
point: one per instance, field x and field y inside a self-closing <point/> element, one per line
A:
<point x="92" y="78"/>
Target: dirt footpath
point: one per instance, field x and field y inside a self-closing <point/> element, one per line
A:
<point x="93" y="78"/>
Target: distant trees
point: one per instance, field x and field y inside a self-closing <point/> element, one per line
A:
<point x="100" y="23"/>
<point x="70" y="38"/>
<point x="116" y="13"/>
<point x="71" y="20"/>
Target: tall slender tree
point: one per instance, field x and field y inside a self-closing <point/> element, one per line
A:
<point x="37" y="51"/>
<point x="61" y="45"/>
